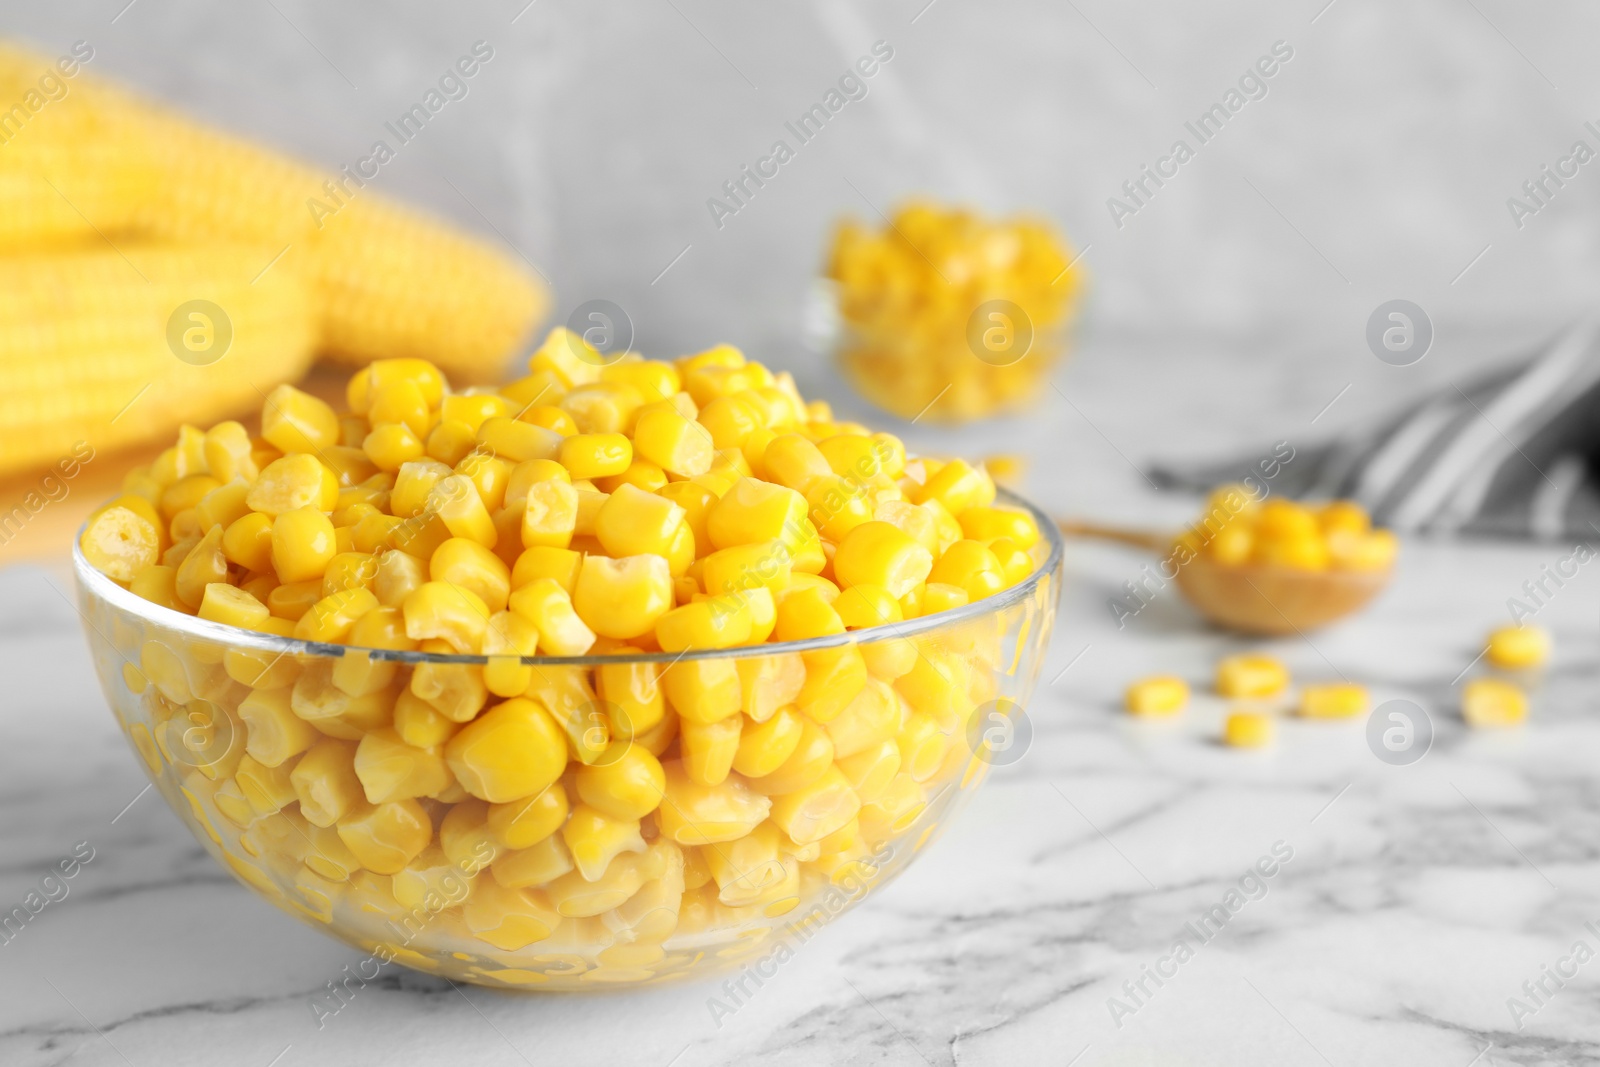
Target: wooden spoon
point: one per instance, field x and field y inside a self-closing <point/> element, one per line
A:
<point x="1253" y="598"/>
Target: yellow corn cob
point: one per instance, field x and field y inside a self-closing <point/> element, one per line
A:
<point x="84" y="335"/>
<point x="66" y="165"/>
<point x="387" y="281"/>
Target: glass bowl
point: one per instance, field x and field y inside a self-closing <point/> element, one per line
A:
<point x="714" y="878"/>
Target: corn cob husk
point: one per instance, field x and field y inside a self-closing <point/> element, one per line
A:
<point x="85" y="354"/>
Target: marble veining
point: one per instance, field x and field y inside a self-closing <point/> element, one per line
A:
<point x="1417" y="902"/>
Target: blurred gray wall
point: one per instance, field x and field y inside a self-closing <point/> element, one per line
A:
<point x="1377" y="165"/>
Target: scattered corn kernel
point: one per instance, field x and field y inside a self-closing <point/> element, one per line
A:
<point x="1517" y="648"/>
<point x="1336" y="700"/>
<point x="1251" y="675"/>
<point x="1248" y="729"/>
<point x="1493" y="702"/>
<point x="1162" y="694"/>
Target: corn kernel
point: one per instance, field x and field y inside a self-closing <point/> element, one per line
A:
<point x="331" y="619"/>
<point x="695" y="814"/>
<point x="390" y="769"/>
<point x="467" y="563"/>
<point x="870" y="771"/>
<point x="546" y="604"/>
<point x="397" y="576"/>
<point x="1015" y="562"/>
<point x="866" y="605"/>
<point x="1305" y="553"/>
<point x="293" y="421"/>
<point x="386" y="837"/>
<point x="807" y="614"/>
<point x="518" y="442"/>
<point x="448" y="612"/>
<point x="536" y="864"/>
<point x="513" y="750"/>
<point x="676" y="444"/>
<point x="747" y="869"/>
<point x="817" y="809"/>
<point x="232" y="606"/>
<point x="267" y="789"/>
<point x="391" y="446"/>
<point x="227" y="452"/>
<point x="716" y="622"/>
<point x="1338" y="700"/>
<point x="577" y="895"/>
<point x="623" y="598"/>
<point x="413" y="485"/>
<point x="289" y="602"/>
<point x="873" y="716"/>
<point x="769" y="683"/>
<point x="899" y="805"/>
<point x="120" y="543"/>
<point x="1491" y="702"/>
<point x="455" y="500"/>
<point x="812" y="756"/>
<point x="328" y="856"/>
<point x="625" y="783"/>
<point x="465" y="839"/>
<point x="559" y="564"/>
<point x="970" y="566"/>
<point x="331" y="710"/>
<point x="1515" y="648"/>
<point x="595" y="839"/>
<point x="419" y="723"/>
<point x="1374" y="552"/>
<point x="1248" y="729"/>
<point x="763" y="747"/>
<point x="550" y="516"/>
<point x="274" y="734"/>
<point x="455" y="690"/>
<point x="295" y="481"/>
<point x="596" y="455"/>
<point x="507" y="639"/>
<point x="508" y="919"/>
<point x="473" y="409"/>
<point x="524" y="823"/>
<point x="958" y="486"/>
<point x="755" y="511"/>
<point x="303" y="544"/>
<point x="204" y="565"/>
<point x="325" y="781"/>
<point x="837" y="505"/>
<point x="632" y="522"/>
<point x="876" y="553"/>
<point x="1161" y="694"/>
<point x="1251" y="675"/>
<point x="834" y="677"/>
<point x="223" y="505"/>
<point x="709" y="748"/>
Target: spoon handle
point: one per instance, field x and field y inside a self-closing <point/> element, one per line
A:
<point x="1147" y="539"/>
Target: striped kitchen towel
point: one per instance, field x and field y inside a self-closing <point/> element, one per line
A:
<point x="1512" y="454"/>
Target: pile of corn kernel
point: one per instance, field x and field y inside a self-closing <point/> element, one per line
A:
<point x="1253" y="677"/>
<point x="591" y="507"/>
<point x="907" y="296"/>
<point x="1238" y="529"/>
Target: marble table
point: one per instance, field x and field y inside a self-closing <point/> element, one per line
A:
<point x="1405" y="907"/>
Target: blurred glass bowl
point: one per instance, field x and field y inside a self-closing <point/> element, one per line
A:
<point x="944" y="691"/>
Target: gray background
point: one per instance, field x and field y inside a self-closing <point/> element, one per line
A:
<point x="1378" y="165"/>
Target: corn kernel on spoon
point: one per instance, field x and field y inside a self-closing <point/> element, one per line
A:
<point x="1252" y="598"/>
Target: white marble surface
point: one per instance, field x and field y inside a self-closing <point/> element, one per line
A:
<point x="1417" y="901"/>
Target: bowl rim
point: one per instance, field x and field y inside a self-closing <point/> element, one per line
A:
<point x="93" y="582"/>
